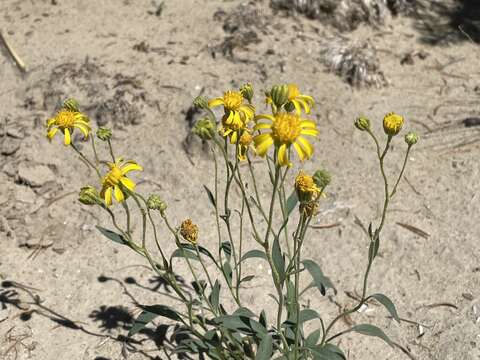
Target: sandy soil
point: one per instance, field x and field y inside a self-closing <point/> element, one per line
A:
<point x="66" y="291"/>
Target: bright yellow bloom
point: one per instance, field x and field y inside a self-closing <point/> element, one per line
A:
<point x="286" y="130"/>
<point x="233" y="129"/>
<point x="66" y="121"/>
<point x="116" y="176"/>
<point x="189" y="231"/>
<point x="244" y="144"/>
<point x="298" y="100"/>
<point x="235" y="109"/>
<point x="306" y="188"/>
<point x="392" y="124"/>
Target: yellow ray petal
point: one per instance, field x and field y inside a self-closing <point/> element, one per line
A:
<point x="305" y="105"/>
<point x="118" y="194"/>
<point x="298" y="110"/>
<point x="234" y="137"/>
<point x="308" y="99"/>
<point x="301" y="153"/>
<point x="51" y="133"/>
<point x="311" y="132"/>
<point x="283" y="155"/>
<point x="260" y="126"/>
<point x="68" y="139"/>
<point x="130" y="166"/>
<point x="306" y="146"/>
<point x="264" y="116"/>
<point x="129" y="184"/>
<point x="84" y="129"/>
<point x="51" y="121"/>
<point x="215" y="102"/>
<point x="108" y="196"/>
<point x="262" y="143"/>
<point x="308" y="124"/>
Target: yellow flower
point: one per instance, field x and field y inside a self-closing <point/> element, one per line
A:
<point x="66" y="121"/>
<point x="116" y="176"/>
<point x="392" y="124"/>
<point x="244" y="144"/>
<point x="298" y="100"/>
<point x="235" y="110"/>
<point x="286" y="130"/>
<point x="306" y="188"/>
<point x="189" y="231"/>
<point x="233" y="129"/>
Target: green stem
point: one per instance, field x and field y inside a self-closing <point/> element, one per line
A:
<point x="401" y="172"/>
<point x="110" y="148"/>
<point x="84" y="158"/>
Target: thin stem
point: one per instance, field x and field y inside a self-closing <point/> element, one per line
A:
<point x="127" y="212"/>
<point x="84" y="158"/>
<point x="110" y="148"/>
<point x="401" y="172"/>
<point x="203" y="266"/>
<point x="272" y="203"/>
<point x="97" y="160"/>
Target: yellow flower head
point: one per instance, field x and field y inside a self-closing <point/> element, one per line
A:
<point x="189" y="231"/>
<point x="306" y="188"/>
<point x="233" y="128"/>
<point x="66" y="121"/>
<point x="286" y="129"/>
<point x="392" y="124"/>
<point x="235" y="109"/>
<point x="244" y="143"/>
<point x="112" y="181"/>
<point x="297" y="100"/>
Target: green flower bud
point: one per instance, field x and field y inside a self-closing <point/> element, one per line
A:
<point x="362" y="123"/>
<point x="411" y="138"/>
<point x="205" y="129"/>
<point x="289" y="106"/>
<point x="104" y="134"/>
<point x="89" y="196"/>
<point x="279" y="95"/>
<point x="201" y="102"/>
<point x="71" y="105"/>
<point x="322" y="178"/>
<point x="247" y="92"/>
<point x="154" y="202"/>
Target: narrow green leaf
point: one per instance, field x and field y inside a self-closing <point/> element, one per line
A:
<point x="227" y="269"/>
<point x="141" y="321"/>
<point x="371" y="330"/>
<point x="307" y="315"/>
<point x="119" y="239"/>
<point x="389" y="305"/>
<point x="201" y="250"/>
<point x="215" y="295"/>
<point x="254" y="254"/>
<point x="245" y="312"/>
<point x="321" y="281"/>
<point x="278" y="260"/>
<point x="263" y="318"/>
<point x="210" y="196"/>
<point x="247" y="278"/>
<point x="226" y="247"/>
<point x="265" y="349"/>
<point x="162" y="310"/>
<point x="291" y="202"/>
<point x="327" y="352"/>
<point x="184" y="253"/>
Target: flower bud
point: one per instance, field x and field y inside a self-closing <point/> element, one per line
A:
<point x="201" y="102"/>
<point x="89" y="196"/>
<point x="362" y="123"/>
<point x="71" y="105"/>
<point x="189" y="231"/>
<point x="204" y="129"/>
<point x="104" y="134"/>
<point x="392" y="124"/>
<point x="279" y="95"/>
<point x="322" y="178"/>
<point x="247" y="92"/>
<point x="154" y="202"/>
<point x="411" y="138"/>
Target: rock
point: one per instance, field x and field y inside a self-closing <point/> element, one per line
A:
<point x="9" y="146"/>
<point x="25" y="194"/>
<point x="35" y="175"/>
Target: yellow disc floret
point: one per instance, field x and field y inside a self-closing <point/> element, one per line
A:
<point x="306" y="188"/>
<point x="232" y="100"/>
<point x="116" y="178"/>
<point x="392" y="124"/>
<point x="189" y="231"/>
<point x="66" y="121"/>
<point x="287" y="129"/>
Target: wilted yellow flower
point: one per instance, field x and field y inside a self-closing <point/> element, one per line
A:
<point x="233" y="129"/>
<point x="116" y="176"/>
<point x="235" y="109"/>
<point x="189" y="231"/>
<point x="244" y="144"/>
<point x="66" y="121"/>
<point x="306" y="188"/>
<point x="392" y="124"/>
<point x="286" y="130"/>
<point x="298" y="100"/>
